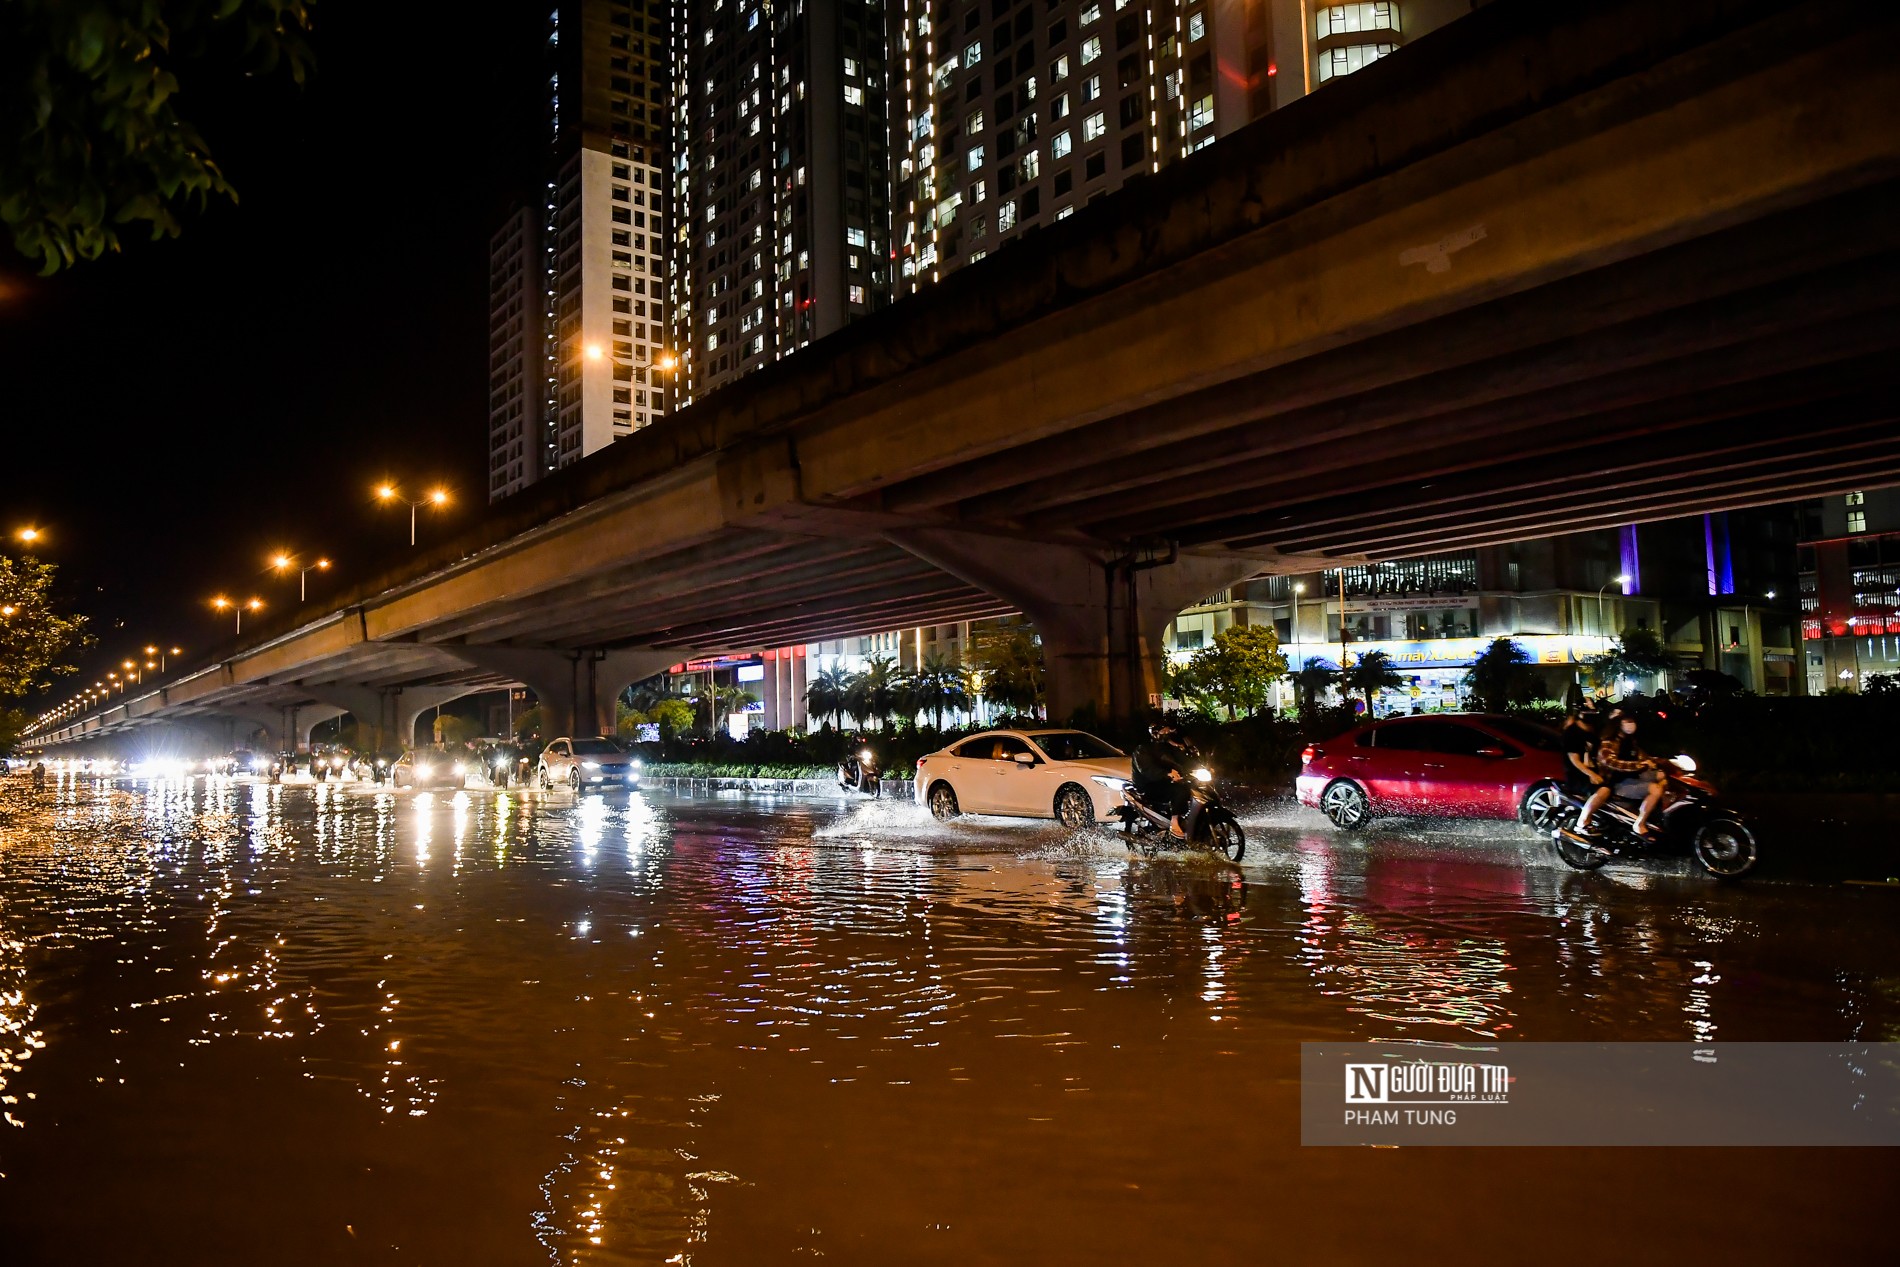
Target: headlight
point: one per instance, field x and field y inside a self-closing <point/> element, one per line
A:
<point x="865" y="755"/>
<point x="422" y="771"/>
<point x="336" y="763"/>
<point x="459" y="768"/>
<point x="590" y="765"/>
<point x="1203" y="775"/>
<point x="1108" y="781"/>
<point x="1685" y="763"/>
<point x="634" y="764"/>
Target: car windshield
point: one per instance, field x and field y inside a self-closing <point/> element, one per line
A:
<point x="1074" y="745"/>
<point x="1530" y="734"/>
<point x="596" y="748"/>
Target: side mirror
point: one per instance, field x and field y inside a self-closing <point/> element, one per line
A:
<point x="1025" y="758"/>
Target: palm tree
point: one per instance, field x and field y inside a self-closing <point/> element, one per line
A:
<point x="1372" y="673"/>
<point x="1008" y="661"/>
<point x="730" y="697"/>
<point x="825" y="694"/>
<point x="872" y="694"/>
<point x="1311" y="678"/>
<point x="1497" y="674"/>
<point x="939" y="686"/>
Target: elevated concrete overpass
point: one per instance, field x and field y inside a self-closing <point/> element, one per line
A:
<point x="1539" y="272"/>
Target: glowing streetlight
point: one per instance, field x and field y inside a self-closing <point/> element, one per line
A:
<point x="285" y="562"/>
<point x="1622" y="580"/>
<point x="223" y="604"/>
<point x="593" y="352"/>
<point x="161" y="653"/>
<point x="30" y="536"/>
<point x="436" y="497"/>
<point x="667" y="362"/>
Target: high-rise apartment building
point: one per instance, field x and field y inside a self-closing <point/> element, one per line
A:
<point x="517" y="395"/>
<point x="601" y="232"/>
<point x="781" y="181"/>
<point x="1008" y="114"/>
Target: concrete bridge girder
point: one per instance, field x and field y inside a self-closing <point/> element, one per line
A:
<point x="576" y="689"/>
<point x="1100" y="616"/>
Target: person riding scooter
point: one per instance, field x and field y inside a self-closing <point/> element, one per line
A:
<point x="1632" y="774"/>
<point x="1160" y="768"/>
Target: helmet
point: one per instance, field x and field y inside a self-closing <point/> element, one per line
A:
<point x="1163" y="729"/>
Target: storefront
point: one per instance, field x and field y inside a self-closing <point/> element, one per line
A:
<point x="1435" y="668"/>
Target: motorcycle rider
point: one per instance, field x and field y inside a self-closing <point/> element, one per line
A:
<point x="1160" y="770"/>
<point x="1634" y="773"/>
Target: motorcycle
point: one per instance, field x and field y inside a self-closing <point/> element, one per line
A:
<point x="1209" y="823"/>
<point x="1691" y="819"/>
<point x="858" y="773"/>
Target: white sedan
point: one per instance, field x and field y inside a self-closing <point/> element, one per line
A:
<point x="1026" y="773"/>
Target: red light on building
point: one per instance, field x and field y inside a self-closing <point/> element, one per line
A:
<point x="1273" y="69"/>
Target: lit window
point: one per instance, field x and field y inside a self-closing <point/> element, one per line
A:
<point x="979" y="226"/>
<point x="1201" y="113"/>
<point x="1197" y="26"/>
<point x="1059" y="108"/>
<point x="979" y="190"/>
<point x="1091" y="49"/>
<point x="854" y="237"/>
<point x="1029" y="166"/>
<point x="1091" y="14"/>
<point x="973" y="125"/>
<point x="1063" y="213"/>
<point x="972" y="54"/>
<point x="1857" y="499"/>
<point x="1857" y="521"/>
<point x="1059" y="69"/>
<point x="853" y="96"/>
<point x="1006" y="217"/>
<point x="1093" y="126"/>
<point x="857" y="294"/>
<point x="850" y="66"/>
<point x="1061" y="145"/>
<point x="974" y="159"/>
<point x="1091" y="88"/>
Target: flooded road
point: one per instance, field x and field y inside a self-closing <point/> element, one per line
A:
<point x="290" y="1025"/>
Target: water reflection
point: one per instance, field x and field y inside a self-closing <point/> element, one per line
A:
<point x="648" y="1030"/>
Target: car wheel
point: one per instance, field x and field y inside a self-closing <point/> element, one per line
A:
<point x="1542" y="809"/>
<point x="547" y="783"/>
<point x="1345" y="806"/>
<point x="1074" y="807"/>
<point x="574" y="781"/>
<point x="943" y="802"/>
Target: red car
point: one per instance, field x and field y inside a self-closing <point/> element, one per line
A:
<point x="1464" y="765"/>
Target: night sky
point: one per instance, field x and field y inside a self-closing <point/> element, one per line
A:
<point x="175" y="414"/>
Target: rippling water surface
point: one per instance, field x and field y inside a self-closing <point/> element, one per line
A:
<point x="254" y="1024"/>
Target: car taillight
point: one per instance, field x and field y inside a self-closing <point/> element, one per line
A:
<point x="1309" y="752"/>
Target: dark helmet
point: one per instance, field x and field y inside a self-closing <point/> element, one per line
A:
<point x="1163" y="729"/>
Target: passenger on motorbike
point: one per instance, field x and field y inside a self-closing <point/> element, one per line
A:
<point x="1635" y="775"/>
<point x="1160" y="770"/>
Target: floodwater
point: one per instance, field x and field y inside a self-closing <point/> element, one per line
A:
<point x="322" y="1025"/>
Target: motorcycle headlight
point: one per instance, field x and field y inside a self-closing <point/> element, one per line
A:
<point x="1203" y="775"/>
<point x="459" y="768"/>
<point x="865" y="755"/>
<point x="1685" y="763"/>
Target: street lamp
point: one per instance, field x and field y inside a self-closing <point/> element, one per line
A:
<point x="221" y="603"/>
<point x="285" y="562"/>
<point x="161" y="653"/>
<point x="1614" y="580"/>
<point x="390" y="493"/>
<point x="29" y="536"/>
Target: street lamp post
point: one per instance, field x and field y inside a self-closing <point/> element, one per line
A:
<point x="285" y="562"/>
<point x="221" y="603"/>
<point x="1614" y="580"/>
<point x="161" y="653"/>
<point x="390" y="493"/>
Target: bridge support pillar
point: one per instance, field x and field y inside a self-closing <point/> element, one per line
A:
<point x="576" y="689"/>
<point x="311" y="716"/>
<point x="1100" y="615"/>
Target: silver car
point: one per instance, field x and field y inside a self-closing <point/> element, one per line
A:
<point x="576" y="763"/>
